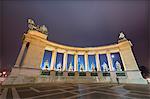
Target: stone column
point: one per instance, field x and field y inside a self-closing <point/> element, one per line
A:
<point x="123" y="62"/>
<point x="65" y="64"/>
<point x="98" y="66"/>
<point x="20" y="56"/>
<point x="86" y="64"/>
<point x="97" y="62"/>
<point x="86" y="61"/>
<point x="109" y="61"/>
<point x="65" y="61"/>
<point x="112" y="72"/>
<point x="53" y="61"/>
<point x="76" y="64"/>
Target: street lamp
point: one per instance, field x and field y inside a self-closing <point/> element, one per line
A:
<point x="4" y="72"/>
<point x="1" y="74"/>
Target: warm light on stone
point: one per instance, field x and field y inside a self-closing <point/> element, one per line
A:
<point x="35" y="43"/>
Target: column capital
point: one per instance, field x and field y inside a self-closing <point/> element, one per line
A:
<point x="54" y="50"/>
<point x="107" y="50"/>
<point x="65" y="51"/>
<point x="76" y="53"/>
<point x="75" y="62"/>
<point x="97" y="62"/>
<point x="97" y="53"/>
<point x="109" y="61"/>
<point x="53" y="61"/>
<point x="86" y="61"/>
<point x="86" y="53"/>
<point x="65" y="61"/>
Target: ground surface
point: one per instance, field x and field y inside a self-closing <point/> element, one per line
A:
<point x="77" y="91"/>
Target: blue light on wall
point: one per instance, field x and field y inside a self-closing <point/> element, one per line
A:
<point x="103" y="60"/>
<point x="70" y="60"/>
<point x="91" y="60"/>
<point x="47" y="57"/>
<point x="116" y="57"/>
<point x="59" y="61"/>
<point x="81" y="62"/>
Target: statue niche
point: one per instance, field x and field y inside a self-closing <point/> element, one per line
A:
<point x="46" y="64"/>
<point x="59" y="66"/>
<point x="118" y="66"/>
<point x="81" y="67"/>
<point x="105" y="67"/>
<point x="93" y="67"/>
<point x="70" y="67"/>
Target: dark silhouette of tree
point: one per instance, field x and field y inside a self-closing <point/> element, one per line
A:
<point x="144" y="71"/>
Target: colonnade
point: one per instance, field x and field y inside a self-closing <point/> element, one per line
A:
<point x="35" y="42"/>
<point x="86" y="59"/>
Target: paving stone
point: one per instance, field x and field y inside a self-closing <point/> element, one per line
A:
<point x="9" y="94"/>
<point x="57" y="96"/>
<point x="81" y="91"/>
<point x="96" y="96"/>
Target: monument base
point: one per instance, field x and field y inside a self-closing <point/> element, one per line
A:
<point x="33" y="76"/>
<point x="22" y="76"/>
<point x="52" y="73"/>
<point x="88" y="74"/>
<point x="135" y="77"/>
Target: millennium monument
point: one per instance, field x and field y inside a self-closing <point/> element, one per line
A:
<point x="42" y="61"/>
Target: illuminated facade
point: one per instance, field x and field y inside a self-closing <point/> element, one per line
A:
<point x="40" y="60"/>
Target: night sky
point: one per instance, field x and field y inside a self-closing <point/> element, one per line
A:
<point x="77" y="23"/>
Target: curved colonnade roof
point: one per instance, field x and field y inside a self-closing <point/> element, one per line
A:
<point x="50" y="45"/>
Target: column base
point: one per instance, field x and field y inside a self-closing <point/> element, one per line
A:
<point x="22" y="76"/>
<point x="31" y="76"/>
<point x="100" y="75"/>
<point x="76" y="74"/>
<point x="88" y="74"/>
<point x="65" y="73"/>
<point x="135" y="77"/>
<point x="52" y="73"/>
<point x="113" y="77"/>
<point x="131" y="77"/>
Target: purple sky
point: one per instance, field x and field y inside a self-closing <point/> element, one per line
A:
<point x="0" y="33"/>
<point x="76" y="23"/>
